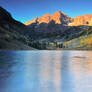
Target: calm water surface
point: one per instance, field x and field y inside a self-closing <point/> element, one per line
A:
<point x="45" y="71"/>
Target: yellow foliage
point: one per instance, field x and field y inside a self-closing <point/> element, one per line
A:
<point x="87" y="41"/>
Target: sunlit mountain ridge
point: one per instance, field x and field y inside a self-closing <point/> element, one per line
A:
<point x="61" y="18"/>
<point x="57" y="31"/>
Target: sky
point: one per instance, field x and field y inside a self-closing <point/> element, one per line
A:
<point x="26" y="10"/>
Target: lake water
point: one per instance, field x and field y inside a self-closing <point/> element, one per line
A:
<point x="45" y="71"/>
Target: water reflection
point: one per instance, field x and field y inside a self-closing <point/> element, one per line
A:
<point x="83" y="72"/>
<point x="45" y="71"/>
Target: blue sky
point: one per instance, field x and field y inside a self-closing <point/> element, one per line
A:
<point x="26" y="10"/>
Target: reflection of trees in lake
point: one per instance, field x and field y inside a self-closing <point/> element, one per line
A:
<point x="6" y="63"/>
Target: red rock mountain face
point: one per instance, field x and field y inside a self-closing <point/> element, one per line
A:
<point x="83" y="20"/>
<point x="59" y="18"/>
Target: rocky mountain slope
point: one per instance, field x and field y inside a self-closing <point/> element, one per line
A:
<point x="62" y="31"/>
<point x="58" y="23"/>
<point x="59" y="17"/>
<point x="83" y="20"/>
<point x="13" y="34"/>
<point x="46" y="32"/>
<point x="82" y="40"/>
<point x="50" y="24"/>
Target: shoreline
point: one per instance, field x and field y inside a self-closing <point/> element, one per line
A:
<point x="58" y="49"/>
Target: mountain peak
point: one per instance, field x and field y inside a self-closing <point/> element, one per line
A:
<point x="59" y="17"/>
<point x="47" y="15"/>
<point x="58" y="12"/>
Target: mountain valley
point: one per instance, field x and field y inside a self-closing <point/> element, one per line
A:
<point x="57" y="31"/>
